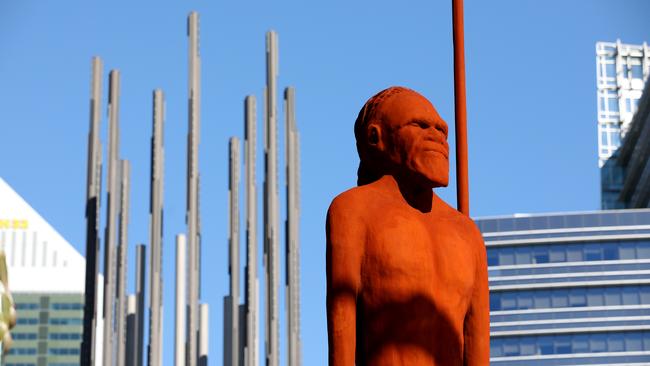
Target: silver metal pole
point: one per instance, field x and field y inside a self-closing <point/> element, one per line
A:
<point x="93" y="193"/>
<point x="292" y="239"/>
<point x="232" y="333"/>
<point x="122" y="266"/>
<point x="131" y="331"/>
<point x="204" y="335"/>
<point x="251" y="351"/>
<point x="193" y="229"/>
<point x="140" y="283"/>
<point x="156" y="234"/>
<point x="271" y="224"/>
<point x="181" y="278"/>
<point x="111" y="219"/>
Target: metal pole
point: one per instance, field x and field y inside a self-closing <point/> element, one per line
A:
<point x="140" y="283"/>
<point x="204" y="335"/>
<point x="462" y="181"/>
<point x="109" y="236"/>
<point x="292" y="239"/>
<point x="131" y="331"/>
<point x="232" y="336"/>
<point x="193" y="239"/>
<point x="93" y="193"/>
<point x="181" y="278"/>
<point x="271" y="225"/>
<point x="251" y="350"/>
<point x="122" y="267"/>
<point x="156" y="234"/>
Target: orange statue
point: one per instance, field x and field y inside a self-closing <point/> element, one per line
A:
<point x="406" y="273"/>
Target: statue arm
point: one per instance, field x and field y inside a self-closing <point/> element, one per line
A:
<point x="344" y="247"/>
<point x="477" y="320"/>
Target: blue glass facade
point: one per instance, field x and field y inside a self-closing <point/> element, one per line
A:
<point x="569" y="288"/>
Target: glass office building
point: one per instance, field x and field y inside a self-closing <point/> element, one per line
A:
<point x="569" y="288"/>
<point x="46" y="279"/>
<point x="621" y="73"/>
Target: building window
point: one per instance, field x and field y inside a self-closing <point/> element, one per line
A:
<point x="594" y="251"/>
<point x="573" y="297"/>
<point x="567" y="344"/>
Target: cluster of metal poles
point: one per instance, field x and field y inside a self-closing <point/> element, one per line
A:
<point x="119" y="317"/>
<point x="241" y="342"/>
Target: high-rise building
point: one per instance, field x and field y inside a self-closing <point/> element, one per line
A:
<point x="621" y="73"/>
<point x="47" y="282"/>
<point x="569" y="288"/>
<point x="633" y="157"/>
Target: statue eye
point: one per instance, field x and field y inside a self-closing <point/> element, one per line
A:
<point x="420" y="124"/>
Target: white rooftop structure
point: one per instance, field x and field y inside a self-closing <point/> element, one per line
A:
<point x="38" y="257"/>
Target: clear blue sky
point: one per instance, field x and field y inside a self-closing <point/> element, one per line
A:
<point x="531" y="108"/>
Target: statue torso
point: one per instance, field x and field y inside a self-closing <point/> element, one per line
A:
<point x="417" y="277"/>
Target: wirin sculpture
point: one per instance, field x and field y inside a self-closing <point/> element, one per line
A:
<point x="406" y="273"/>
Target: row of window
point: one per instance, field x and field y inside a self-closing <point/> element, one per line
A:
<point x="65" y="336"/>
<point x="574" y="297"/>
<point x="26" y="321"/>
<point x="22" y="351"/>
<point x="66" y="306"/>
<point x="621" y="218"/>
<point x="53" y="306"/>
<point x="26" y="351"/>
<point x="53" y="336"/>
<point x="21" y="364"/>
<point x="53" y="321"/>
<point x="569" y="269"/>
<point x="66" y="321"/>
<point x="566" y="344"/>
<point x="63" y="351"/>
<point x="563" y="252"/>
<point x="24" y="336"/>
<point x="549" y="314"/>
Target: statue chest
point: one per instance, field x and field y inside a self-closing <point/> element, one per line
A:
<point x="411" y="255"/>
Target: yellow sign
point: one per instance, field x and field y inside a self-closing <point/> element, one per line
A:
<point x="15" y="224"/>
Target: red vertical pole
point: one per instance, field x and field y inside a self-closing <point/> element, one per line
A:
<point x="462" y="184"/>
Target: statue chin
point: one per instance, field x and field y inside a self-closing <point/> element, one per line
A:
<point x="432" y="173"/>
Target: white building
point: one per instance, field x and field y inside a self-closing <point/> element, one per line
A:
<point x="46" y="278"/>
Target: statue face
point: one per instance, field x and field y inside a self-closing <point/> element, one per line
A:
<point x="414" y="137"/>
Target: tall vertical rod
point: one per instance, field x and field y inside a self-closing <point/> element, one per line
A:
<point x="122" y="266"/>
<point x="462" y="181"/>
<point x="131" y="331"/>
<point x="204" y="335"/>
<point x="192" y="218"/>
<point x="140" y="284"/>
<point x="251" y="355"/>
<point x="93" y="193"/>
<point x="181" y="280"/>
<point x="111" y="217"/>
<point x="155" y="227"/>
<point x="232" y="336"/>
<point x="271" y="212"/>
<point x="292" y="235"/>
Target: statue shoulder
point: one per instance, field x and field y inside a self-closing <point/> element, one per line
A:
<point x="352" y="203"/>
<point x="466" y="225"/>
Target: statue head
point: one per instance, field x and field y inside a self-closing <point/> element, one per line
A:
<point x="399" y="132"/>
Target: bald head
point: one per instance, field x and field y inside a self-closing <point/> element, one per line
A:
<point x="398" y="131"/>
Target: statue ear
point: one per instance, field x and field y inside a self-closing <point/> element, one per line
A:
<point x="374" y="136"/>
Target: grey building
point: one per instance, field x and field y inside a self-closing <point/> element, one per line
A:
<point x="569" y="288"/>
